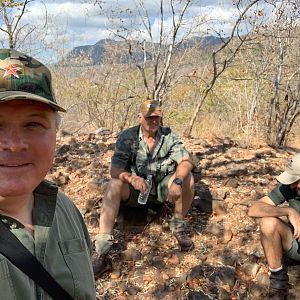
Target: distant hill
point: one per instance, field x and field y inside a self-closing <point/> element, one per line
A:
<point x="117" y="51"/>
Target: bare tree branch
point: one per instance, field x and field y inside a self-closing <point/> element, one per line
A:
<point x="217" y="71"/>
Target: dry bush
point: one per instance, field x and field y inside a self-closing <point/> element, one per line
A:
<point x="109" y="95"/>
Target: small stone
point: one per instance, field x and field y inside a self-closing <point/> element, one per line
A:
<point x="158" y="262"/>
<point x="214" y="229"/>
<point x="230" y="205"/>
<point x="165" y="276"/>
<point x="131" y="255"/>
<point x="147" y="277"/>
<point x="250" y="269"/>
<point x="232" y="182"/>
<point x="132" y="290"/>
<point x="195" y="272"/>
<point x="63" y="149"/>
<point x="103" y="131"/>
<point x="227" y="236"/>
<point x="224" y="276"/>
<point x="257" y="292"/>
<point x="115" y="274"/>
<point x="223" y="294"/>
<point x="174" y="260"/>
<point x="263" y="279"/>
<point x="219" y="207"/>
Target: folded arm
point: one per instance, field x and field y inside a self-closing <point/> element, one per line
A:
<point x="265" y="207"/>
<point x="137" y="182"/>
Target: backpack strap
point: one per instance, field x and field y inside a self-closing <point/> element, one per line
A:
<point x="18" y="254"/>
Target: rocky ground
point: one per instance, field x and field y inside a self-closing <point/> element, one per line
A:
<point x="227" y="262"/>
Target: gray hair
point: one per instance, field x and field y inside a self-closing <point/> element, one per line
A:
<point x="57" y="120"/>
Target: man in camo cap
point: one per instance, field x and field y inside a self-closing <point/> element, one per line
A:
<point x="147" y="149"/>
<point x="42" y="218"/>
<point x="281" y="239"/>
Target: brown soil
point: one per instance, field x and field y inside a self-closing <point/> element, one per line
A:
<point x="227" y="262"/>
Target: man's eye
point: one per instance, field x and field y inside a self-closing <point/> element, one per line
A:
<point x="34" y="124"/>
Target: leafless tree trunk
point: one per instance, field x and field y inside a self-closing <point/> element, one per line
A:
<point x="284" y="106"/>
<point x="12" y="23"/>
<point x="155" y="66"/>
<point x="219" y="66"/>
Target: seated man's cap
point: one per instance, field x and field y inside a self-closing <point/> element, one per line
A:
<point x="23" y="77"/>
<point x="151" y="108"/>
<point x="292" y="172"/>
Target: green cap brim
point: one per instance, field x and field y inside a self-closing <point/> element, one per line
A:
<point x="18" y="95"/>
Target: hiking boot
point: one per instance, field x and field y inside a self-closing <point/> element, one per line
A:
<point x="279" y="284"/>
<point x="178" y="228"/>
<point x="184" y="241"/>
<point x="103" y="243"/>
<point x="101" y="264"/>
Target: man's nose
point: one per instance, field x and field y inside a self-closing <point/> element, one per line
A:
<point x="12" y="140"/>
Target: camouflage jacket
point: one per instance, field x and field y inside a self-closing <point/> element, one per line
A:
<point x="61" y="243"/>
<point x="132" y="154"/>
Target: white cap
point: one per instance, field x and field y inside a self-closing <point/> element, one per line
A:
<point x="292" y="172"/>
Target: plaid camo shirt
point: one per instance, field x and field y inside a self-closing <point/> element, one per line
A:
<point x="132" y="154"/>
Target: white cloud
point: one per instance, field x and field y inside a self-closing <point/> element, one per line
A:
<point x="86" y="24"/>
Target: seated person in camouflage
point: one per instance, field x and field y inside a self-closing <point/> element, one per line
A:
<point x="42" y="218"/>
<point x="148" y="149"/>
<point x="280" y="239"/>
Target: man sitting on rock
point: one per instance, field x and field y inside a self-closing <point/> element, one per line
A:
<point x="280" y="238"/>
<point x="148" y="148"/>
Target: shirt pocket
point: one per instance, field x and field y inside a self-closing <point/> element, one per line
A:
<point x="6" y="285"/>
<point x="165" y="167"/>
<point x="77" y="258"/>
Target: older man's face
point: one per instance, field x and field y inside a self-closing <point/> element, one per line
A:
<point x="150" y="124"/>
<point x="27" y="145"/>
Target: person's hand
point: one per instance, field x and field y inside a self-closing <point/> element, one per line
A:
<point x="138" y="183"/>
<point x="174" y="192"/>
<point x="294" y="219"/>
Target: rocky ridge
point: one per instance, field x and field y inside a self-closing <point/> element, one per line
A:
<point x="228" y="260"/>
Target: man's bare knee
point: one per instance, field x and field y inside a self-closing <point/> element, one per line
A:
<point x="117" y="190"/>
<point x="115" y="184"/>
<point x="188" y="181"/>
<point x="270" y="225"/>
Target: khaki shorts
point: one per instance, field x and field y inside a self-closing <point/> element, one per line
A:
<point x="161" y="193"/>
<point x="294" y="252"/>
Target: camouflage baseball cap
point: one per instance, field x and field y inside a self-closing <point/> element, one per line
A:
<point x="151" y="108"/>
<point x="23" y="77"/>
<point x="292" y="172"/>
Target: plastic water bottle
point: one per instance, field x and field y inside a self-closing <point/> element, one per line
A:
<point x="143" y="197"/>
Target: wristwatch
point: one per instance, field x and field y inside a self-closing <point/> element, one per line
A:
<point x="178" y="181"/>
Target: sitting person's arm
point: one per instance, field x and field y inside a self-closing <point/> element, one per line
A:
<point x="137" y="182"/>
<point x="183" y="169"/>
<point x="265" y="207"/>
